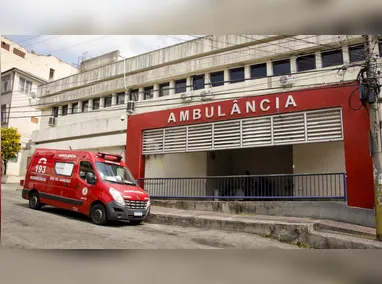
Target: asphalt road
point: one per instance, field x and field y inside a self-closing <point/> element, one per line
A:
<point x="54" y="228"/>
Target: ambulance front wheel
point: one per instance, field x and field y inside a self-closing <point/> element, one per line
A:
<point x="34" y="201"/>
<point x="98" y="215"/>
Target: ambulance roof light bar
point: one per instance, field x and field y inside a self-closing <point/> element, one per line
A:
<point x="103" y="156"/>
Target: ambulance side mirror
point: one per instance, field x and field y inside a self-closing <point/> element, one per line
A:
<point x="91" y="178"/>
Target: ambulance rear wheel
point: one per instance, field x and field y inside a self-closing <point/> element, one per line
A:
<point x="98" y="215"/>
<point x="34" y="201"/>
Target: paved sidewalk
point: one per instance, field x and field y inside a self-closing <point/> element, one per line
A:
<point x="317" y="233"/>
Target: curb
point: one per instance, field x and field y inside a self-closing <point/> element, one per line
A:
<point x="301" y="234"/>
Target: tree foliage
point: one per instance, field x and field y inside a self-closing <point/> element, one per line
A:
<point x="10" y="145"/>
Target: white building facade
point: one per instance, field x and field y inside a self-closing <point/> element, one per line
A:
<point x="22" y="73"/>
<point x="194" y="103"/>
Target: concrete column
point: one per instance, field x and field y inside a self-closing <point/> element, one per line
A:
<point x="346" y="55"/>
<point x="269" y="68"/>
<point x="188" y="84"/>
<point x="226" y="76"/>
<point x="247" y="72"/>
<point x="90" y="106"/>
<point x="101" y="102"/>
<point x="207" y="80"/>
<point x="141" y="94"/>
<point x="70" y="108"/>
<point x="127" y="96"/>
<point x="293" y="64"/>
<point x="318" y="59"/>
<point x="156" y="91"/>
<point x="113" y="99"/>
<point x="59" y="110"/>
<point x="172" y="87"/>
<point x="79" y="107"/>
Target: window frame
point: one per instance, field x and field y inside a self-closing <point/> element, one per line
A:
<point x="55" y="111"/>
<point x="353" y="48"/>
<point x="4" y="114"/>
<point x="304" y="56"/>
<point x="198" y="77"/>
<point x="148" y="93"/>
<point x="252" y="67"/>
<point x="323" y="53"/>
<point x="278" y="63"/>
<point x="63" y="108"/>
<point x="181" y="89"/>
<point x="118" y="97"/>
<point x="96" y="106"/>
<point x="79" y="169"/>
<point x="132" y="94"/>
<point x="58" y="162"/>
<point x="230" y="71"/>
<point x="164" y="87"/>
<point x="217" y="83"/>
<point x="85" y="106"/>
<point x="74" y="106"/>
<point x="108" y="97"/>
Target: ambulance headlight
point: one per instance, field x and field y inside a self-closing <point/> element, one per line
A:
<point x="117" y="196"/>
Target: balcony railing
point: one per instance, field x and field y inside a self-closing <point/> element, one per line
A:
<point x="324" y="186"/>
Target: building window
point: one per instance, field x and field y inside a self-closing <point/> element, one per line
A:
<point x="357" y="53"/>
<point x="217" y="78"/>
<point x="4" y="116"/>
<point x="25" y="86"/>
<point x="5" y="45"/>
<point x="180" y="86"/>
<point x="64" y="110"/>
<point x="281" y="67"/>
<point x="332" y="58"/>
<point x="164" y="89"/>
<point x="198" y="82"/>
<point x="134" y="95"/>
<point x="306" y="62"/>
<point x="96" y="103"/>
<point x="236" y="75"/>
<point x="380" y="48"/>
<point x="74" y="107"/>
<point x="55" y="111"/>
<point x="107" y="101"/>
<point x="51" y="74"/>
<point x="19" y="52"/>
<point x="85" y="106"/>
<point x="258" y="71"/>
<point x="148" y="93"/>
<point x="120" y="98"/>
<point x="5" y="85"/>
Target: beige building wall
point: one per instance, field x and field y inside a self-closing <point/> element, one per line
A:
<point x="318" y="158"/>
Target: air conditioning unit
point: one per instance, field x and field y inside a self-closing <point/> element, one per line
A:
<point x="52" y="121"/>
<point x="286" y="80"/>
<point x="206" y="95"/>
<point x="130" y="106"/>
<point x="186" y="97"/>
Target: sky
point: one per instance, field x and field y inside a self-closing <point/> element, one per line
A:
<point x="70" y="47"/>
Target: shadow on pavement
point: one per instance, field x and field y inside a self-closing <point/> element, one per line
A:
<point x="75" y="215"/>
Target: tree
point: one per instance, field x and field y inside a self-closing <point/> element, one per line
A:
<point x="10" y="145"/>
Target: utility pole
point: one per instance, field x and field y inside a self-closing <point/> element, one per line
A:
<point x="375" y="129"/>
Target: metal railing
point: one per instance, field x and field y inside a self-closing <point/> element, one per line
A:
<point x="322" y="186"/>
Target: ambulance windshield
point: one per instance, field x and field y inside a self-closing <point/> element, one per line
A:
<point x="115" y="173"/>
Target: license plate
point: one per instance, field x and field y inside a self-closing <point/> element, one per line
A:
<point x="138" y="214"/>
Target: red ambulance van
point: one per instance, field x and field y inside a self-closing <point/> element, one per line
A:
<point x="98" y="185"/>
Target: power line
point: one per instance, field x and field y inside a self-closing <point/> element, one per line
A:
<point x="302" y="75"/>
<point x="173" y="69"/>
<point x="53" y="51"/>
<point x="332" y="85"/>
